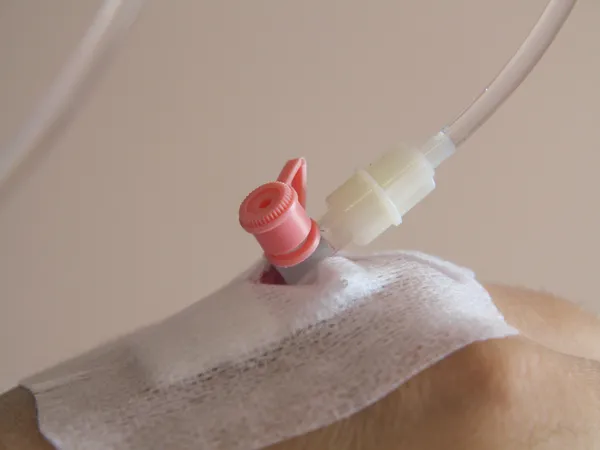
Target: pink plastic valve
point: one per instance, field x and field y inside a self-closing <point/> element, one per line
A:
<point x="275" y="214"/>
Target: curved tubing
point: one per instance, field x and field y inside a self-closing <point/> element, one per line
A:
<point x="113" y="18"/>
<point x="513" y="73"/>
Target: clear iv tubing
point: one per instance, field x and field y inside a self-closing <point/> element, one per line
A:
<point x="115" y="17"/>
<point x="513" y="73"/>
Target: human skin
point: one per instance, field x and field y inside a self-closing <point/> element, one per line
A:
<point x="540" y="390"/>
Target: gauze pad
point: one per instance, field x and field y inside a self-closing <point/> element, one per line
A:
<point x="254" y="364"/>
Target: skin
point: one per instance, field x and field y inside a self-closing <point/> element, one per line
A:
<point x="540" y="390"/>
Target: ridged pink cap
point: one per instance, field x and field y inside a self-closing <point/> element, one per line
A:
<point x="275" y="214"/>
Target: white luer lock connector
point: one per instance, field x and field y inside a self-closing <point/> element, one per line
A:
<point x="377" y="197"/>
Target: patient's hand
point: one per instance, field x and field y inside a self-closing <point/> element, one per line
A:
<point x="537" y="391"/>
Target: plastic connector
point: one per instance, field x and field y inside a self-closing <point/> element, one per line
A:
<point x="377" y="197"/>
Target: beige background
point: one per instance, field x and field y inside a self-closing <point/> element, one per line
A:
<point x="132" y="213"/>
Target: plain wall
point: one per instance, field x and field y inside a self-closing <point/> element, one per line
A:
<point x="131" y="213"/>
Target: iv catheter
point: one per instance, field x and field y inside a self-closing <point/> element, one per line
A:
<point x="377" y="197"/>
<point x="362" y="208"/>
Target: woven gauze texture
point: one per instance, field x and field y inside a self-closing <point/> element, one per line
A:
<point x="254" y="364"/>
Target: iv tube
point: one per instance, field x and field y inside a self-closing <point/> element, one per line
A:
<point x="513" y="73"/>
<point x="113" y="18"/>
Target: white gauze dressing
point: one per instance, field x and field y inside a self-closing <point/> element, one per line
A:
<point x="254" y="364"/>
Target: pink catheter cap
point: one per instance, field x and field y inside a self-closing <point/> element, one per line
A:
<point x="275" y="214"/>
